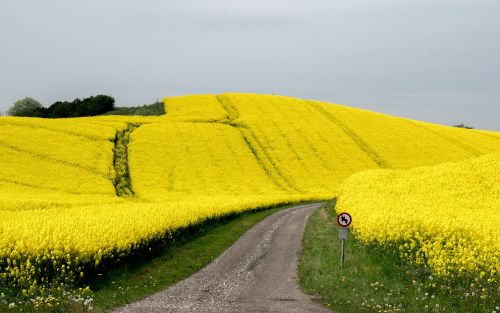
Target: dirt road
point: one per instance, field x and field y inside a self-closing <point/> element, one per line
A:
<point x="257" y="274"/>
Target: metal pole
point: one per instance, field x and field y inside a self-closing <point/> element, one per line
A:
<point x="342" y="255"/>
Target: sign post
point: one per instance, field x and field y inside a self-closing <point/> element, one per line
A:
<point x="344" y="220"/>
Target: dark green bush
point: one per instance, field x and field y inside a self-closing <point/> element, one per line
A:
<point x="91" y="106"/>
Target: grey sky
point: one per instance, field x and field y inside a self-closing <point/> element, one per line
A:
<point x="435" y="60"/>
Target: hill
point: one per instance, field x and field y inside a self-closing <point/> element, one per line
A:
<point x="64" y="215"/>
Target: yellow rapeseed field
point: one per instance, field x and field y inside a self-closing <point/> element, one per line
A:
<point x="445" y="217"/>
<point x="400" y="143"/>
<point x="200" y="160"/>
<point x="196" y="108"/>
<point x="62" y="213"/>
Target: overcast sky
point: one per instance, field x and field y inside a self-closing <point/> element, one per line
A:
<point x="435" y="60"/>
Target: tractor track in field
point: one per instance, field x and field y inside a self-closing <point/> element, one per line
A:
<point x="255" y="146"/>
<point x="122" y="181"/>
<point x="258" y="273"/>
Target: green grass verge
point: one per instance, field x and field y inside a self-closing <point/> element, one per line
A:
<point x="173" y="263"/>
<point x="142" y="276"/>
<point x="372" y="279"/>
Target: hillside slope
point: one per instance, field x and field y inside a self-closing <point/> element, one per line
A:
<point x="310" y="147"/>
<point x="209" y="156"/>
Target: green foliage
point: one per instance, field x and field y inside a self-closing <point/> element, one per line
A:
<point x="26" y="107"/>
<point x="50" y="300"/>
<point x="463" y="126"/>
<point x="91" y="106"/>
<point x="154" y="109"/>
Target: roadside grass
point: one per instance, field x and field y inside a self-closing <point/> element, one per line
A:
<point x="174" y="262"/>
<point x="165" y="265"/>
<point x="372" y="279"/>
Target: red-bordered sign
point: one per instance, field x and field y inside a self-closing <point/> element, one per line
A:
<point x="344" y="219"/>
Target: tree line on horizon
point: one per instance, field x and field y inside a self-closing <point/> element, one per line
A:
<point x="91" y="106"/>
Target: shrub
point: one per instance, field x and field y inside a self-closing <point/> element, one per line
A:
<point x="157" y="108"/>
<point x="463" y="126"/>
<point x="25" y="107"/>
<point x="91" y="106"/>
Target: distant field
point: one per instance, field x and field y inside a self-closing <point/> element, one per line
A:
<point x="209" y="156"/>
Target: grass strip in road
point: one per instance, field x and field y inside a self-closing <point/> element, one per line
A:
<point x="372" y="279"/>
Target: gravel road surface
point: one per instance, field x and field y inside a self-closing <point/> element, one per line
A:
<point x="257" y="274"/>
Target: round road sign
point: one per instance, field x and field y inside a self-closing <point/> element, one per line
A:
<point x="344" y="219"/>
